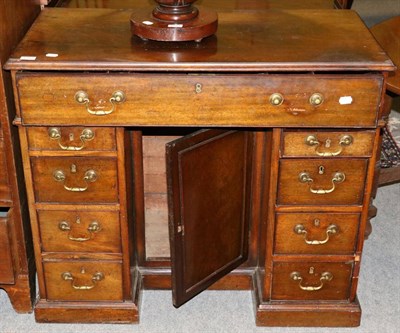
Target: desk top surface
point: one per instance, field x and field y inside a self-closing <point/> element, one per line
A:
<point x="273" y="41"/>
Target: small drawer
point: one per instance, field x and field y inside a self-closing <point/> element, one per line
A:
<point x="80" y="231"/>
<point x="85" y="180"/>
<point x="321" y="181"/>
<point x="83" y="281"/>
<point x="327" y="144"/>
<point x="311" y="281"/>
<point x="201" y="100"/>
<point x="313" y="233"/>
<point x="71" y="139"/>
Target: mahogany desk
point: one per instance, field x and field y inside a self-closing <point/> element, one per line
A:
<point x="243" y="162"/>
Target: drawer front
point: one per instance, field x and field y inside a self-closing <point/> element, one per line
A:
<point x="75" y="179"/>
<point x="6" y="266"/>
<point x="225" y="100"/>
<point x="313" y="233"/>
<point x="311" y="281"/>
<point x="327" y="144"/>
<point x="79" y="231"/>
<point x="83" y="281"/>
<point x="322" y="181"/>
<point x="71" y="138"/>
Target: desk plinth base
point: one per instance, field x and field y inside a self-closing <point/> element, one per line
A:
<point x="145" y="26"/>
<point x="305" y="314"/>
<point x="126" y="312"/>
<point x="85" y="312"/>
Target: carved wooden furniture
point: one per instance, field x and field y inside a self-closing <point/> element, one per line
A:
<point x="223" y="163"/>
<point x="16" y="254"/>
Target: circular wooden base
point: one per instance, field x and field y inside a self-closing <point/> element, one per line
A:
<point x="144" y="25"/>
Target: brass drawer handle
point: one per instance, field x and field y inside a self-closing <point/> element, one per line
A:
<point x="325" y="277"/>
<point x="86" y="135"/>
<point x="93" y="228"/>
<point x="304" y="177"/>
<point x="90" y="177"/>
<point x="96" y="277"/>
<point x="299" y="229"/>
<point x="117" y="97"/>
<point x="345" y="140"/>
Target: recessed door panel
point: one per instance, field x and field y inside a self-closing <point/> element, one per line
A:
<point x="208" y="194"/>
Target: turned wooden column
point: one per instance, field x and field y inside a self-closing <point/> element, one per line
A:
<point x="174" y="20"/>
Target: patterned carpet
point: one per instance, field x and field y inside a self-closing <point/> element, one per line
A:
<point x="390" y="154"/>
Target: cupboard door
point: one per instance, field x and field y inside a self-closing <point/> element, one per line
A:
<point x="208" y="175"/>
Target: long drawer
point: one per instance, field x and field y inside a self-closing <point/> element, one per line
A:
<point x="206" y="100"/>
